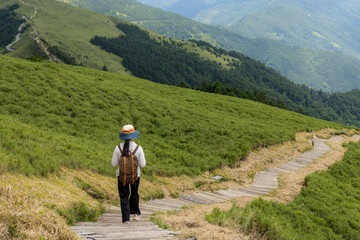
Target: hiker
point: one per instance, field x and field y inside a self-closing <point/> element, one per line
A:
<point x="128" y="156"/>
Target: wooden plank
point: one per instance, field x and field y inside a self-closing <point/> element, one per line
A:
<point x="264" y="186"/>
<point x="202" y="198"/>
<point x="194" y="199"/>
<point x="261" y="189"/>
<point x="113" y="224"/>
<point x="131" y="235"/>
<point x="210" y="198"/>
<point x="248" y="193"/>
<point x="164" y="204"/>
<point x="231" y="193"/>
<point x="150" y="207"/>
<point x="218" y="195"/>
<point x="177" y="202"/>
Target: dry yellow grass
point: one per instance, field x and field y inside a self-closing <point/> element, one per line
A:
<point x="24" y="203"/>
<point x="23" y="216"/>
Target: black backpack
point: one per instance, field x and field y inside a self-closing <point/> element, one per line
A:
<point x="128" y="167"/>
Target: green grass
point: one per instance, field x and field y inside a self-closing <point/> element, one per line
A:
<point x="80" y="212"/>
<point x="327" y="208"/>
<point x="55" y="115"/>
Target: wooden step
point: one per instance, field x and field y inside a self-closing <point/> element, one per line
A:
<point x="218" y="195"/>
<point x="194" y="199"/>
<point x="209" y="198"/>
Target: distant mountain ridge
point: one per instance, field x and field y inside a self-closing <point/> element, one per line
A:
<point x="328" y="25"/>
<point x="316" y="68"/>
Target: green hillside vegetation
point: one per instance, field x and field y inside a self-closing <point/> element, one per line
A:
<point x="316" y="68"/>
<point x="166" y="62"/>
<point x="9" y="23"/>
<point x="66" y="31"/>
<point x="327" y="207"/>
<point x="58" y="115"/>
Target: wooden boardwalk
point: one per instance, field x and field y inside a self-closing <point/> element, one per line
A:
<point x="109" y="226"/>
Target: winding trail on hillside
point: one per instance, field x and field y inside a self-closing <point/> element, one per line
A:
<point x="34" y="35"/>
<point x="18" y="36"/>
<point x="109" y="226"/>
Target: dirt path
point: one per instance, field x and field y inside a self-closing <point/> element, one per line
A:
<point x="110" y="227"/>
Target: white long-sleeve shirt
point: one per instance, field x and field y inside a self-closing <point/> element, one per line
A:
<point x="139" y="154"/>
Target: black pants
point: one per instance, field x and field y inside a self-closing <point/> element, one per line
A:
<point x="129" y="205"/>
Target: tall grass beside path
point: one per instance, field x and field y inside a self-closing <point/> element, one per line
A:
<point x="56" y="115"/>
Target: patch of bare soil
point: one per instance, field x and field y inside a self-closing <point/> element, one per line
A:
<point x="192" y="221"/>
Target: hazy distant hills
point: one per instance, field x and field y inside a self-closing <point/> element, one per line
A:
<point x="183" y="8"/>
<point x="331" y="25"/>
<point x="317" y="69"/>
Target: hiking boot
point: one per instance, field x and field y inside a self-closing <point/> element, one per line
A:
<point x="136" y="217"/>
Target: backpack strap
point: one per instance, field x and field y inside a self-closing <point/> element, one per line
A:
<point x="137" y="147"/>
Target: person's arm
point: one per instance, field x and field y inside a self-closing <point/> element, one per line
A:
<point x="141" y="157"/>
<point x="115" y="158"/>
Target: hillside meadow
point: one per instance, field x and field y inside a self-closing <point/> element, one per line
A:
<point x="59" y="125"/>
<point x="72" y="116"/>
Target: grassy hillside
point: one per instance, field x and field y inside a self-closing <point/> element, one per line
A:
<point x="54" y="115"/>
<point x="68" y="29"/>
<point x="327" y="207"/>
<point x="318" y="69"/>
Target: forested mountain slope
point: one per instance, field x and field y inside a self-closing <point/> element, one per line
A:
<point x="315" y="68"/>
